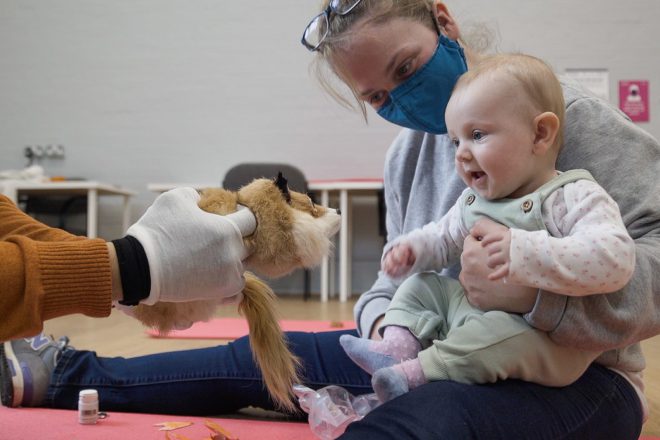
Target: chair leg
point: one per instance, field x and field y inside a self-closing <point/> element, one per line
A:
<point x="307" y="282"/>
<point x="382" y="225"/>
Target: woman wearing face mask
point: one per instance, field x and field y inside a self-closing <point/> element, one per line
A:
<point x="403" y="58"/>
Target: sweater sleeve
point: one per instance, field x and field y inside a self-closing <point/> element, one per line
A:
<point x="16" y="222"/>
<point x="590" y="253"/>
<point x="372" y="304"/>
<point x="436" y="245"/>
<point x="625" y="160"/>
<point x="48" y="273"/>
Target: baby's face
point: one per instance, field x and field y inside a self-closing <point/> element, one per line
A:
<point x="493" y="134"/>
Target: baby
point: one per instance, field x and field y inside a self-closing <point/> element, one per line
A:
<point x="542" y="228"/>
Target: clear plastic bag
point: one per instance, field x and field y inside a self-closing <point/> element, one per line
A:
<point x="331" y="409"/>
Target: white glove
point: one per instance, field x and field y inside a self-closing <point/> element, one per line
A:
<point x="192" y="254"/>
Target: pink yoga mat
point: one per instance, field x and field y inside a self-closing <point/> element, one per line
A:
<point x="55" y="424"/>
<point x="232" y="328"/>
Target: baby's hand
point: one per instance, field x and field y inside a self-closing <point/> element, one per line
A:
<point x="398" y="260"/>
<point x="496" y="239"/>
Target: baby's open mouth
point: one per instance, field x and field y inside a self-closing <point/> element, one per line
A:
<point x="476" y="175"/>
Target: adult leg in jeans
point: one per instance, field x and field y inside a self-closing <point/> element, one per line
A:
<point x="601" y="405"/>
<point x="205" y="381"/>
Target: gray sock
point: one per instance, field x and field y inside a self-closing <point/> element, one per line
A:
<point x="389" y="383"/>
<point x="359" y="350"/>
<point x="398" y="344"/>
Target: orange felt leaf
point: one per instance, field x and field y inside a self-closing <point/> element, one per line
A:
<point x="175" y="436"/>
<point x="226" y="435"/>
<point x="171" y="426"/>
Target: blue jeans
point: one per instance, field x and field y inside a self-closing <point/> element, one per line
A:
<point x="206" y="381"/>
<point x="601" y="405"/>
<point x="223" y="379"/>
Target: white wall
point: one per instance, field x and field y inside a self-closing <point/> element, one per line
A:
<point x="143" y="91"/>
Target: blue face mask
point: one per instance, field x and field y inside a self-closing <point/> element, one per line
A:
<point x="420" y="101"/>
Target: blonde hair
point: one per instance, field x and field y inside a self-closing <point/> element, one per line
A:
<point x="531" y="76"/>
<point x="325" y="65"/>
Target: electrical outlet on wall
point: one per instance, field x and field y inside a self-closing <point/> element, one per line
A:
<point x="39" y="151"/>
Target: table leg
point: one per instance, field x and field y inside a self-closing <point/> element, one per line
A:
<point x="92" y="212"/>
<point x="344" y="251"/>
<point x="332" y="273"/>
<point x="10" y="191"/>
<point x="325" y="281"/>
<point x="126" y="218"/>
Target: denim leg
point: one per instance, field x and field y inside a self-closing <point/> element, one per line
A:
<point x="601" y="405"/>
<point x="204" y="381"/>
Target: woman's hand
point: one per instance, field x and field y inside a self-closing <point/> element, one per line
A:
<point x="482" y="292"/>
<point x="496" y="239"/>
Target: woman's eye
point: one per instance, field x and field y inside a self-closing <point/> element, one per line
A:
<point x="477" y="135"/>
<point x="404" y="70"/>
<point x="377" y="98"/>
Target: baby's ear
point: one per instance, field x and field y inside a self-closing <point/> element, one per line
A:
<point x="546" y="127"/>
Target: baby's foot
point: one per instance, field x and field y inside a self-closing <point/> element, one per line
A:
<point x="365" y="354"/>
<point x="389" y="383"/>
<point x="398" y="344"/>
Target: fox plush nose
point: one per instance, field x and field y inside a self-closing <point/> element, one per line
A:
<point x="338" y="211"/>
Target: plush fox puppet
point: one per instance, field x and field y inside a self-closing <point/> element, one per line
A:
<point x="291" y="232"/>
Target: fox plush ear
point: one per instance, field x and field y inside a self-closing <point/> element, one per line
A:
<point x="281" y="184"/>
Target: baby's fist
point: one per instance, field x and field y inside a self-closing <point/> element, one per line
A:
<point x="398" y="260"/>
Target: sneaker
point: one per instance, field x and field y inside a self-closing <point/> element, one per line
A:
<point x="26" y="366"/>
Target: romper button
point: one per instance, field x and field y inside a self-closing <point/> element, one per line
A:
<point x="527" y="205"/>
<point x="470" y="199"/>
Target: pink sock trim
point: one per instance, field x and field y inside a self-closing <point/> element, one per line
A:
<point x="412" y="369"/>
<point x="398" y="342"/>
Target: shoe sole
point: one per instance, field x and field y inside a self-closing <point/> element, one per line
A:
<point x="11" y="393"/>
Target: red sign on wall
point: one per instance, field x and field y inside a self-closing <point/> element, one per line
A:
<point x="634" y="99"/>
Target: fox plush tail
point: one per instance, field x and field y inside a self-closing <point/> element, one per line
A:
<point x="279" y="367"/>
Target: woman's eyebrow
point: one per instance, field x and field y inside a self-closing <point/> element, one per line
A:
<point x="365" y="93"/>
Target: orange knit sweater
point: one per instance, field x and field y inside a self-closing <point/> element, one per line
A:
<point x="46" y="273"/>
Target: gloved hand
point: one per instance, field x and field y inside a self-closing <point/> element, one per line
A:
<point x="192" y="254"/>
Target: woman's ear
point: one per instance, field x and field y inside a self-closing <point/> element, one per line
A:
<point x="445" y="20"/>
<point x="546" y="128"/>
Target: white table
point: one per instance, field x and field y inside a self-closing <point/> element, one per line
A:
<point x="92" y="189"/>
<point x="346" y="188"/>
<point x="162" y="187"/>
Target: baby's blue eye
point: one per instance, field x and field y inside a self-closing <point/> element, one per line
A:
<point x="455" y="142"/>
<point x="477" y="135"/>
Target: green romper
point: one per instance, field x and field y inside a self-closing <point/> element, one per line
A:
<point x="462" y="343"/>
